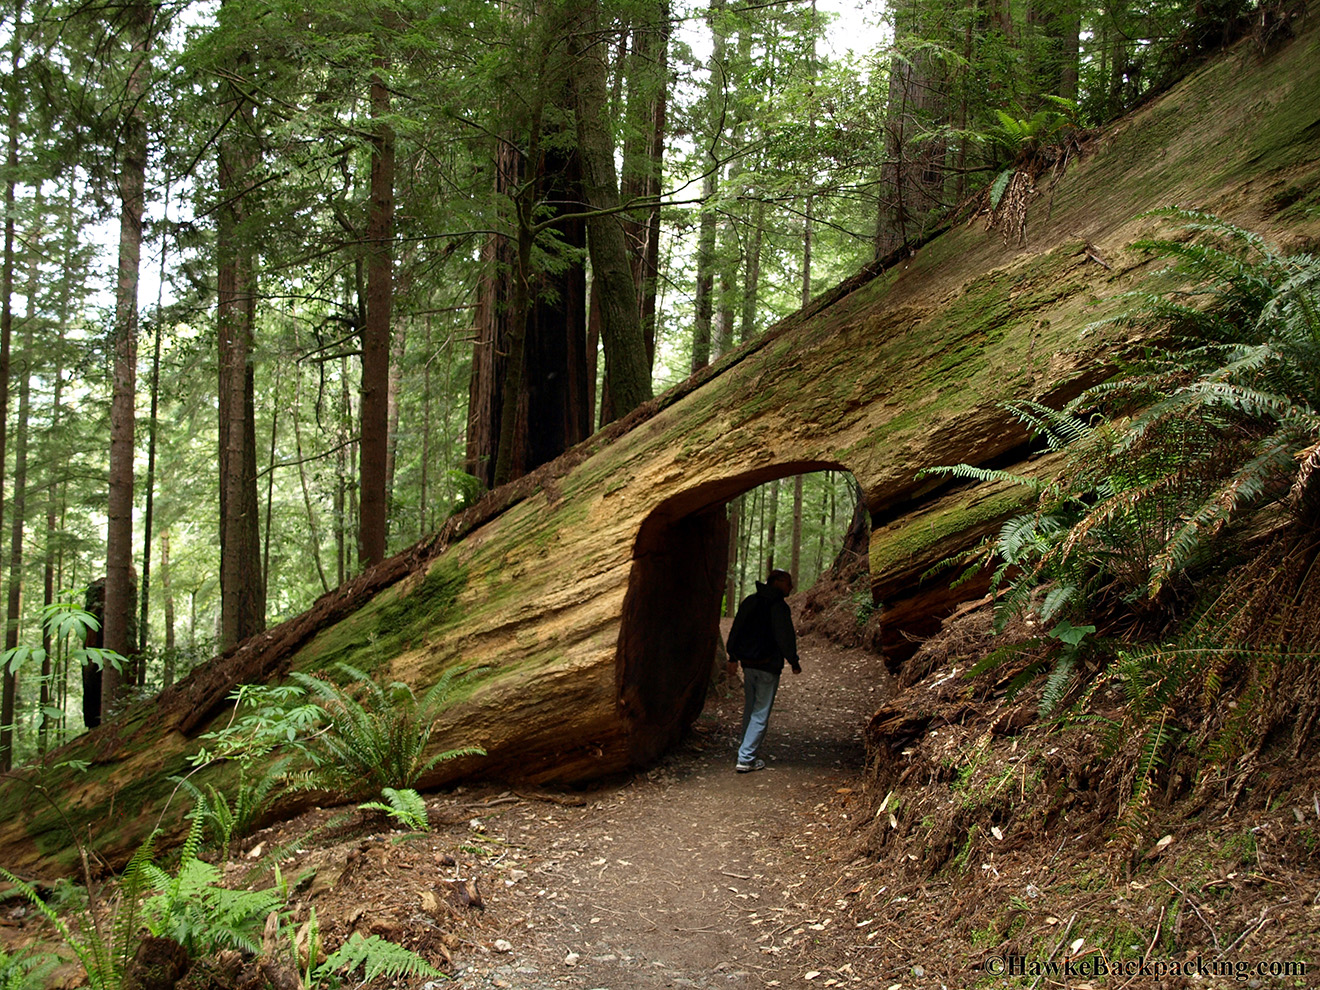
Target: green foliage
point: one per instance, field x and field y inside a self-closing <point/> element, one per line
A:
<point x="1021" y="138"/>
<point x="1230" y="422"/>
<point x="376" y="736"/>
<point x="266" y="739"/>
<point x="373" y="955"/>
<point x="1219" y="422"/>
<point x="65" y="621"/>
<point x="193" y="909"/>
<point x="103" y="940"/>
<point x="24" y="970"/>
<point x="404" y="805"/>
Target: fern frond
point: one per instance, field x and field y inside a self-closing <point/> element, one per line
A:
<point x="1244" y="488"/>
<point x="1060" y="429"/>
<point x="404" y="805"/>
<point x="1058" y="682"/>
<point x="970" y="472"/>
<point x="1024" y="677"/>
<point x="376" y="956"/>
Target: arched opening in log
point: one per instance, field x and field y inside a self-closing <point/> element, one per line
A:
<point x="670" y="627"/>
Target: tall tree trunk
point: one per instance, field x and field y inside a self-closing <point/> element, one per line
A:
<point x="422" y="527"/>
<point x="119" y="584"/>
<point x="808" y="211"/>
<point x="704" y="301"/>
<point x="913" y="173"/>
<point x="13" y="96"/>
<point x="242" y="594"/>
<point x="530" y="397"/>
<point x="373" y="446"/>
<point x="397" y="352"/>
<point x="14" y="610"/>
<point x="149" y="507"/>
<point x="270" y="480"/>
<point x="643" y="156"/>
<point x="313" y="530"/>
<point x="752" y="275"/>
<point x="625" y="350"/>
<point x="52" y="484"/>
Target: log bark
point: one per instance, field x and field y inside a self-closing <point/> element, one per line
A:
<point x="583" y="599"/>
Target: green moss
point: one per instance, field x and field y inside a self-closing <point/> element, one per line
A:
<point x="893" y="549"/>
<point x="395" y="620"/>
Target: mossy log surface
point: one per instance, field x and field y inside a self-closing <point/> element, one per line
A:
<point x="585" y="596"/>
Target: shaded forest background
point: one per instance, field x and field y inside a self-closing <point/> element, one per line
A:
<point x="283" y="289"/>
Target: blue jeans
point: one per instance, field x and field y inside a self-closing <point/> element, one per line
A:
<point x="759" y="687"/>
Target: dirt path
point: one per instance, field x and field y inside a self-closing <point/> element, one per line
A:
<point x="685" y="876"/>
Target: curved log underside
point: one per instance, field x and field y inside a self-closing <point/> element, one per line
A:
<point x="586" y="595"/>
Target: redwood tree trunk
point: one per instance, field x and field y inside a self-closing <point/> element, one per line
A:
<point x="242" y="592"/>
<point x="535" y="366"/>
<point x="14" y="609"/>
<point x="13" y="94"/>
<point x="625" y="349"/>
<point x="373" y="450"/>
<point x="643" y="156"/>
<point x="119" y="584"/>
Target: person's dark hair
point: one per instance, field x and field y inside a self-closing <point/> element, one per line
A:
<point x="777" y="576"/>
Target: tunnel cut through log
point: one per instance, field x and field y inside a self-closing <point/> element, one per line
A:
<point x="669" y="627"/>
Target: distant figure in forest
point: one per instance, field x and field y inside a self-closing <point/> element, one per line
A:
<point x="761" y="639"/>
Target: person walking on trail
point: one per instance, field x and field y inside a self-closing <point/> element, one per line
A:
<point x="761" y="639"/>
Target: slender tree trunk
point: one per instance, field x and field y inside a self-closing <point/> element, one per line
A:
<point x="704" y="301"/>
<point x="313" y="530"/>
<point x="731" y="587"/>
<point x="149" y="507"/>
<point x="625" y="350"/>
<point x="422" y="527"/>
<point x="52" y="485"/>
<point x="643" y="156"/>
<point x="397" y="353"/>
<point x="373" y="446"/>
<point x="270" y="480"/>
<point x="14" y="610"/>
<point x="747" y="520"/>
<point x="167" y="675"/>
<point x="808" y="211"/>
<point x="722" y="329"/>
<point x="13" y="95"/>
<point x="772" y="522"/>
<point x="115" y="631"/>
<point x="752" y="277"/>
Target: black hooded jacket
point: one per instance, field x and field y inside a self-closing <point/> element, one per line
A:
<point x="762" y="635"/>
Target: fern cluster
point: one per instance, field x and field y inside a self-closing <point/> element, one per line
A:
<point x="190" y="907"/>
<point x="301" y="951"/>
<point x="1221" y="420"/>
<point x="1163" y="468"/>
<point x="376" y="735"/>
